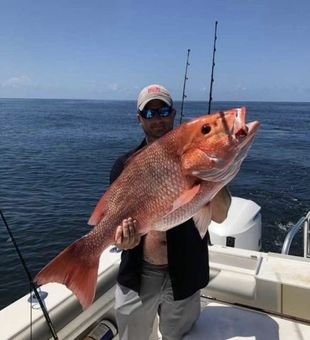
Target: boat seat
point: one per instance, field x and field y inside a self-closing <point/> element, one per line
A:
<point x="222" y="322"/>
<point x="232" y="283"/>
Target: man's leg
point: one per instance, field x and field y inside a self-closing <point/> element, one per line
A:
<point x="134" y="318"/>
<point x="176" y="318"/>
<point x="135" y="314"/>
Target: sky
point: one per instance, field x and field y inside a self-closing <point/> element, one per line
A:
<point x="99" y="49"/>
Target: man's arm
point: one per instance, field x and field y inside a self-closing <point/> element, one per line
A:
<point x="220" y="205"/>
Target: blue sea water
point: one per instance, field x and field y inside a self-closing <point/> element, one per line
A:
<point x="56" y="156"/>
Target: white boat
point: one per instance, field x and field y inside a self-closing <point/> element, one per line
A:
<point x="251" y="294"/>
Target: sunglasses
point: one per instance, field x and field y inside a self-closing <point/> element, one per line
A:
<point x="164" y="111"/>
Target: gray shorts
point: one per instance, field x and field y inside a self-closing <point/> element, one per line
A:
<point x="135" y="313"/>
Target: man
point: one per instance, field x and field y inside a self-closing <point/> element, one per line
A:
<point x="162" y="272"/>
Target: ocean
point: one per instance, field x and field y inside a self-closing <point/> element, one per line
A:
<point x="56" y="156"/>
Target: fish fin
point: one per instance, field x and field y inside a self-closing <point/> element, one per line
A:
<point x="202" y="219"/>
<point x="98" y="212"/>
<point x="74" y="270"/>
<point x="185" y="197"/>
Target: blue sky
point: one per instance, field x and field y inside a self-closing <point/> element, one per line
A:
<point x="100" y="49"/>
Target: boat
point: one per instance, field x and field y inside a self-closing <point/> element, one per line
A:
<point x="251" y="294"/>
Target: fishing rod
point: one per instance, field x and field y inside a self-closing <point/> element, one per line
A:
<point x="184" y="84"/>
<point x="212" y="70"/>
<point x="32" y="285"/>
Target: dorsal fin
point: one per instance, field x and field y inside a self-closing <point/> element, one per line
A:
<point x="98" y="213"/>
<point x="186" y="197"/>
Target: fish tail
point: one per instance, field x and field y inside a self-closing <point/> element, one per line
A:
<point x="75" y="270"/>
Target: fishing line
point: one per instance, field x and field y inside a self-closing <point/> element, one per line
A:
<point x="32" y="285"/>
<point x="184" y="85"/>
<point x="212" y="70"/>
<point x="30" y="311"/>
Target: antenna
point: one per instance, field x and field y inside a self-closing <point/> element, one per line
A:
<point x="33" y="286"/>
<point x="212" y="71"/>
<point x="184" y="84"/>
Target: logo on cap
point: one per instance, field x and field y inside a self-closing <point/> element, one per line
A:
<point x="153" y="89"/>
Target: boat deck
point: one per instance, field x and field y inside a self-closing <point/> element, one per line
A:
<point x="222" y="321"/>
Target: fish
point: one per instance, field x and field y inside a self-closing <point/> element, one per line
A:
<point x="162" y="185"/>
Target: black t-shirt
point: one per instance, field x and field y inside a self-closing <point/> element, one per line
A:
<point x="188" y="260"/>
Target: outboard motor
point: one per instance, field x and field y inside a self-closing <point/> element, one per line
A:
<point x="242" y="227"/>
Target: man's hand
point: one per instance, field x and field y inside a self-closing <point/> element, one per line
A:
<point x="126" y="236"/>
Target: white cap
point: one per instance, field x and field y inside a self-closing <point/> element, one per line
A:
<point x="151" y="92"/>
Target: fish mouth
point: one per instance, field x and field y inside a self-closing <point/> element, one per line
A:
<point x="249" y="130"/>
<point x="242" y="133"/>
<point x="242" y="130"/>
<point x="253" y="126"/>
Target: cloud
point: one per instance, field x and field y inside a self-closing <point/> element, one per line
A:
<point x="18" y="82"/>
<point x="114" y="87"/>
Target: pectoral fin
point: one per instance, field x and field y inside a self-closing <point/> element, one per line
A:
<point x="185" y="197"/>
<point x="202" y="219"/>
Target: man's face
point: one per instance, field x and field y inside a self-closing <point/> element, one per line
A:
<point x="157" y="126"/>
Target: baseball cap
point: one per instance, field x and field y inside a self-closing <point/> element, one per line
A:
<point x="151" y="92"/>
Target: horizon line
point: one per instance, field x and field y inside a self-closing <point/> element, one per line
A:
<point x="178" y="100"/>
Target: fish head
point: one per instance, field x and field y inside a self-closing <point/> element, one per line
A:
<point x="215" y="145"/>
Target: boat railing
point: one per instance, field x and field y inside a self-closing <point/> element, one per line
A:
<point x="303" y="223"/>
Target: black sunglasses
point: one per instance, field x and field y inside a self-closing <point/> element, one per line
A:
<point x="164" y="111"/>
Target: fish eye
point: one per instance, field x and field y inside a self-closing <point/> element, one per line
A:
<point x="206" y="128"/>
